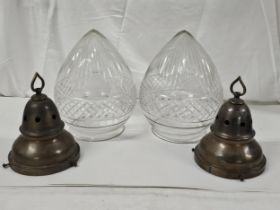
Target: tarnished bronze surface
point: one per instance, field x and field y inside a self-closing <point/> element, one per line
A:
<point x="43" y="147"/>
<point x="230" y="150"/>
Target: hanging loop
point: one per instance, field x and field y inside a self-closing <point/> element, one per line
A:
<point x="37" y="90"/>
<point x="237" y="94"/>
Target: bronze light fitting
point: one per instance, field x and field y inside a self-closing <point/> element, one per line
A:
<point x="230" y="150"/>
<point x="43" y="147"/>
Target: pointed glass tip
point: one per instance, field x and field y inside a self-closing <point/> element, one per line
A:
<point x="184" y="32"/>
<point x="92" y="32"/>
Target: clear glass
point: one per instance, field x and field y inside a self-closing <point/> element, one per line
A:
<point x="181" y="91"/>
<point x="94" y="90"/>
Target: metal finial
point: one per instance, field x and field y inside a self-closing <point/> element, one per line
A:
<point x="37" y="90"/>
<point x="237" y="94"/>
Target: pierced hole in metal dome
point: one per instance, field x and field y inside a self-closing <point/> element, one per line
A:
<point x="217" y="117"/>
<point x="226" y="122"/>
<point x="25" y="118"/>
<point x="37" y="119"/>
<point x="54" y="116"/>
<point x="242" y="124"/>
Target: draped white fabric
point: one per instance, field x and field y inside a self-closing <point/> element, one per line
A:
<point x="241" y="36"/>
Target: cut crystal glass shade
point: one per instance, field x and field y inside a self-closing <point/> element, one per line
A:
<point x="94" y="90"/>
<point x="181" y="91"/>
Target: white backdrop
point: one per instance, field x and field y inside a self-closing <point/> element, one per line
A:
<point x="240" y="36"/>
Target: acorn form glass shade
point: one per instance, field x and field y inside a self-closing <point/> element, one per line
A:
<point x="94" y="90"/>
<point x="181" y="91"/>
<point x="43" y="147"/>
<point x="230" y="150"/>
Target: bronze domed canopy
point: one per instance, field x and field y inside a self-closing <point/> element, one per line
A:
<point x="230" y="150"/>
<point x="43" y="147"/>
